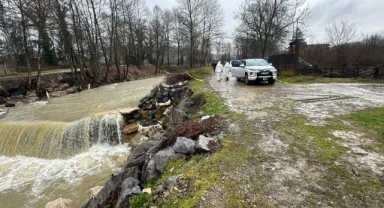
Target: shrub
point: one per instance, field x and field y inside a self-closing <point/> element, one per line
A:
<point x="287" y="73"/>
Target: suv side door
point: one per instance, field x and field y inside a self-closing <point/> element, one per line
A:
<point x="236" y="68"/>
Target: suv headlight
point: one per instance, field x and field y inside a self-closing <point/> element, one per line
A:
<point x="254" y="70"/>
<point x="274" y="72"/>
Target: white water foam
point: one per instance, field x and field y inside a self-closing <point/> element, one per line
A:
<point x="19" y="172"/>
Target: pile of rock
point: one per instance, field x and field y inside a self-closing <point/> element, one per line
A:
<point x="62" y="85"/>
<point x="144" y="123"/>
<point x="148" y="162"/>
<point x="10" y="89"/>
<point x="154" y="151"/>
<point x="161" y="96"/>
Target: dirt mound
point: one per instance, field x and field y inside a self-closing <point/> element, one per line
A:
<point x="175" y="69"/>
<point x="144" y="71"/>
<point x="176" y="78"/>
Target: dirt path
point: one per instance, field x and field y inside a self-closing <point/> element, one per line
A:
<point x="308" y="153"/>
<point x="52" y="71"/>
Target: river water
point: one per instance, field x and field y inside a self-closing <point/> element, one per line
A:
<point x="45" y="147"/>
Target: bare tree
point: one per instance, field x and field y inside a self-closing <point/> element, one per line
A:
<point x="190" y="12"/>
<point x="178" y="34"/>
<point x="212" y="23"/>
<point x="169" y="26"/>
<point x="268" y="22"/>
<point x="158" y="28"/>
<point x="340" y="34"/>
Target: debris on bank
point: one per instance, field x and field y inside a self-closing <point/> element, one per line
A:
<point x="163" y="132"/>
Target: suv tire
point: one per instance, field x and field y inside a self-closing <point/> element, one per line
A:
<point x="271" y="81"/>
<point x="247" y="82"/>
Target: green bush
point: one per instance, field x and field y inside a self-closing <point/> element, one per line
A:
<point x="287" y="73"/>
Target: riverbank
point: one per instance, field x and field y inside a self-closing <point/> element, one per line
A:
<point x="166" y="133"/>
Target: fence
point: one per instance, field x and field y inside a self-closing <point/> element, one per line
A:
<point x="331" y="72"/>
<point x="347" y="72"/>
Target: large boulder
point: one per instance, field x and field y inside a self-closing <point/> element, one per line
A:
<point x="157" y="164"/>
<point x="129" y="187"/>
<point x="63" y="86"/>
<point x="4" y="91"/>
<point x="10" y="105"/>
<point x="202" y="143"/>
<point x="12" y="85"/>
<point x="130" y="128"/>
<point x="128" y="111"/>
<point x="59" y="203"/>
<point x="170" y="182"/>
<point x="92" y="192"/>
<point x="184" y="145"/>
<point x="122" y="161"/>
<point x="148" y="127"/>
<point x="70" y="81"/>
<point x="2" y="101"/>
<point x="137" y="158"/>
<point x="71" y="90"/>
<point x="111" y="191"/>
<point x="21" y="91"/>
<point x="58" y="93"/>
<point x="12" y="88"/>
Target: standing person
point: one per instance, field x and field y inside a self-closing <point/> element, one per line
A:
<point x="227" y="68"/>
<point x="219" y="70"/>
<point x="214" y="64"/>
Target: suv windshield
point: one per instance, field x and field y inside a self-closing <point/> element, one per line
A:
<point x="257" y="62"/>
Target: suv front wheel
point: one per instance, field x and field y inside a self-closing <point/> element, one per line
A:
<point x="271" y="81"/>
<point x="247" y="82"/>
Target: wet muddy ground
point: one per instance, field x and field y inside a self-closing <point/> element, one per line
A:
<point x="315" y="157"/>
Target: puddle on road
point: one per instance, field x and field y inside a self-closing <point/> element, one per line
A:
<point x="322" y="102"/>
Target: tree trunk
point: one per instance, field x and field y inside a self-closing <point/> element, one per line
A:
<point x="25" y="44"/>
<point x="5" y="67"/>
<point x="38" y="82"/>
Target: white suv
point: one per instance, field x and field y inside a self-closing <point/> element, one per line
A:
<point x="253" y="70"/>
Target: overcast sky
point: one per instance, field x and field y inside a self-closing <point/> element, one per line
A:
<point x="367" y="15"/>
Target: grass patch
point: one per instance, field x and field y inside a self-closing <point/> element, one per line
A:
<point x="371" y="119"/>
<point x="340" y="187"/>
<point x="314" y="138"/>
<point x="13" y="74"/>
<point x="310" y="79"/>
<point x="371" y="122"/>
<point x="201" y="73"/>
<point x="141" y="200"/>
<point x="215" y="105"/>
<point x="34" y="73"/>
<point x="205" y="173"/>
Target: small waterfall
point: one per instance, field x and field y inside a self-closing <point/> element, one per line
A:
<point x="47" y="139"/>
<point x="110" y="128"/>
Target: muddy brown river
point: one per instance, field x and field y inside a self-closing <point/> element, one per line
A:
<point x="29" y="178"/>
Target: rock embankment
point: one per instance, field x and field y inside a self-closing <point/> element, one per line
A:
<point x="159" y="140"/>
<point x="14" y="91"/>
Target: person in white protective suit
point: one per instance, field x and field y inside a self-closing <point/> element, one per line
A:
<point x="227" y="68"/>
<point x="219" y="71"/>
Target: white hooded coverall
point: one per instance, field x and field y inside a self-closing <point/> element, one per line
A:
<point x="226" y="71"/>
<point x="219" y="71"/>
